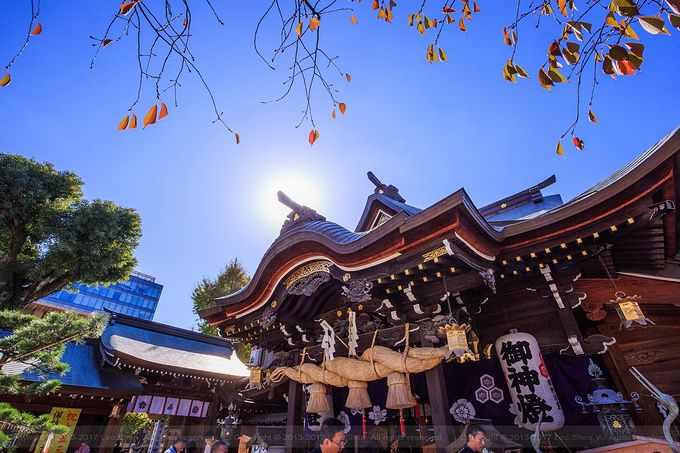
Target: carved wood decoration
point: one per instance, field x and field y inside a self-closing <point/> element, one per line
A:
<point x="307" y="279"/>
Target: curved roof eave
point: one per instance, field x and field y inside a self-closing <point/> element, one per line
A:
<point x="336" y="239"/>
<point x="608" y="187"/>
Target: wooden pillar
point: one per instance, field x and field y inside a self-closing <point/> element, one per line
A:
<point x="294" y="419"/>
<point x="439" y="405"/>
<point x="111" y="431"/>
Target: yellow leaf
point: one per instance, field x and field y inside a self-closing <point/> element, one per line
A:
<point x="342" y="107"/>
<point x="313" y="136"/>
<point x="133" y="122"/>
<point x="150" y="117"/>
<point x="238" y="138"/>
<point x="611" y="20"/>
<point x="314" y="23"/>
<point x="126" y="7"/>
<point x="556" y="76"/>
<point x="466" y="11"/>
<point x="630" y="33"/>
<point x="544" y="79"/>
<point x="348" y="77"/>
<point x="106" y="42"/>
<point x="421" y="28"/>
<point x="652" y="24"/>
<point x="164" y="111"/>
<point x="521" y="72"/>
<point x="442" y="55"/>
<point x="298" y="29"/>
<point x="353" y="19"/>
<point x="410" y="20"/>
<point x="6" y="79"/>
<point x="591" y="116"/>
<point x="559" y="150"/>
<point x="333" y="114"/>
<point x="123" y="123"/>
<point x="37" y="29"/>
<point x="382" y="14"/>
<point x="461" y="25"/>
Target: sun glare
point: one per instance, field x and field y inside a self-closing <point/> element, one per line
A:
<point x="300" y="188"/>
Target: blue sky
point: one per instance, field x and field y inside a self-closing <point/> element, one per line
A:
<point x="428" y="129"/>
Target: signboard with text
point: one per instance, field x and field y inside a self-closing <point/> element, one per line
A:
<point x="58" y="443"/>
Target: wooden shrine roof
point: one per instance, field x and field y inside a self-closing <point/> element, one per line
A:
<point x="612" y="210"/>
<point x="146" y="344"/>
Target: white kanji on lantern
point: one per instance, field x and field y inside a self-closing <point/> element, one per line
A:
<point x="533" y="396"/>
<point x="378" y="415"/>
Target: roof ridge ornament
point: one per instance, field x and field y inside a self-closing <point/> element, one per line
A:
<point x="299" y="213"/>
<point x="389" y="191"/>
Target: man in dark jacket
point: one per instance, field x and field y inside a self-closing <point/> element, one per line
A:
<point x="331" y="437"/>
<point x="476" y="440"/>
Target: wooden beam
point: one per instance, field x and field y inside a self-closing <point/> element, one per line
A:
<point x="439" y="405"/>
<point x="294" y="418"/>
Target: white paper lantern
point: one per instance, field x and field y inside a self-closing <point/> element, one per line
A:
<point x="531" y="389"/>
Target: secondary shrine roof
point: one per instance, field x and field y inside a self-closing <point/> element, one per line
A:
<point x="147" y="344"/>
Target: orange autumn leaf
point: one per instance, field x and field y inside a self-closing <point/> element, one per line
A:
<point x="353" y="19"/>
<point x="578" y="142"/>
<point x="164" y="111"/>
<point x="475" y="8"/>
<point x="342" y="107"/>
<point x="126" y="7"/>
<point x="461" y="25"/>
<point x="133" y="122"/>
<point x="298" y="29"/>
<point x="313" y="135"/>
<point x="238" y="138"/>
<point x="591" y="116"/>
<point x="559" y="150"/>
<point x="37" y="29"/>
<point x="348" y="77"/>
<point x="6" y="79"/>
<point x="150" y="117"/>
<point x="375" y="4"/>
<point x="333" y="114"/>
<point x="123" y="123"/>
<point x="314" y="23"/>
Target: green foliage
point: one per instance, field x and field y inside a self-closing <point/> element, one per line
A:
<point x="231" y="279"/>
<point x="51" y="237"/>
<point x="28" y="423"/>
<point x="132" y="423"/>
<point x="39" y="343"/>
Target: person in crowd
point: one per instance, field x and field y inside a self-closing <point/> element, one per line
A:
<point x="117" y="448"/>
<point x="331" y="436"/>
<point x="84" y="448"/>
<point x="177" y="446"/>
<point x="476" y="440"/>
<point x="190" y="447"/>
<point x="218" y="447"/>
<point x="209" y="438"/>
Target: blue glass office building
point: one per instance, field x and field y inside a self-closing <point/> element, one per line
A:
<point x="138" y="296"/>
